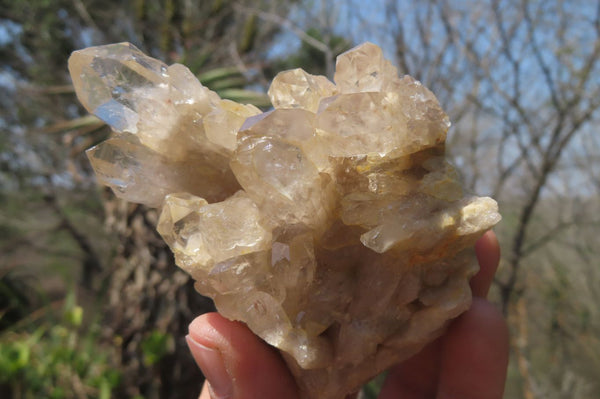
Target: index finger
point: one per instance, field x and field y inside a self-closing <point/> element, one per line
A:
<point x="487" y="249"/>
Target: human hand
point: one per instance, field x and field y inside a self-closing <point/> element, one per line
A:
<point x="468" y="362"/>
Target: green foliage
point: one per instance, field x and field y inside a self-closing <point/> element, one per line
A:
<point x="43" y="29"/>
<point x="57" y="359"/>
<point x="249" y="34"/>
<point x="229" y="83"/>
<point x="156" y="345"/>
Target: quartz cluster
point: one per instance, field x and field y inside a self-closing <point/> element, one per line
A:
<point x="332" y="225"/>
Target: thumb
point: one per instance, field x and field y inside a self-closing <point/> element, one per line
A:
<point x="236" y="363"/>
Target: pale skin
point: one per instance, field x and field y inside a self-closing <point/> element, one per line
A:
<point x="468" y="362"/>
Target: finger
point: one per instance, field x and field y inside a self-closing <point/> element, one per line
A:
<point x="475" y="355"/>
<point x="205" y="394"/>
<point x="417" y="377"/>
<point x="236" y="363"/>
<point x="414" y="378"/>
<point x="488" y="255"/>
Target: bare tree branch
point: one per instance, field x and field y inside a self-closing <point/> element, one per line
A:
<point x="301" y="34"/>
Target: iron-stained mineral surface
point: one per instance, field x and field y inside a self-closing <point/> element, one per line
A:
<point x="332" y="225"/>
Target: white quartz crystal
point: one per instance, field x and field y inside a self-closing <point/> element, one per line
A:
<point x="333" y="226"/>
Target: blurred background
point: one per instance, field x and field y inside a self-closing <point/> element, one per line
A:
<point x="91" y="304"/>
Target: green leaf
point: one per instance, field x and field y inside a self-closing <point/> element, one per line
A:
<point x="104" y="390"/>
<point x="246" y="96"/>
<point x="74" y="316"/>
<point x="228" y="83"/>
<point x="214" y="75"/>
<point x="15" y="357"/>
<point x="155" y="346"/>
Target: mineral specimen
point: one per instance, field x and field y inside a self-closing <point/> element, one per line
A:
<point x="332" y="225"/>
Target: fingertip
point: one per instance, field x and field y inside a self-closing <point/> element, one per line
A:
<point x="213" y="329"/>
<point x="210" y="360"/>
<point x="487" y="249"/>
<point x="255" y="369"/>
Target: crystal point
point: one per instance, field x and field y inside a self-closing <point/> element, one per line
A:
<point x="298" y="89"/>
<point x="333" y="225"/>
<point x="363" y="69"/>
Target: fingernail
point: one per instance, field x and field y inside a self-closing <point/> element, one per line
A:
<point x="211" y="362"/>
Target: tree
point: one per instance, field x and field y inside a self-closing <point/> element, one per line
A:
<point x="520" y="80"/>
<point x="148" y="302"/>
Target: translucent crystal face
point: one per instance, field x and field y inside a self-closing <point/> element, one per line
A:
<point x="332" y="225"/>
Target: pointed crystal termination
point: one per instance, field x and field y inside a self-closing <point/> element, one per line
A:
<point x="158" y="114"/>
<point x="298" y="89"/>
<point x="106" y="78"/>
<point x="333" y="226"/>
<point x="138" y="174"/>
<point x="364" y="69"/>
